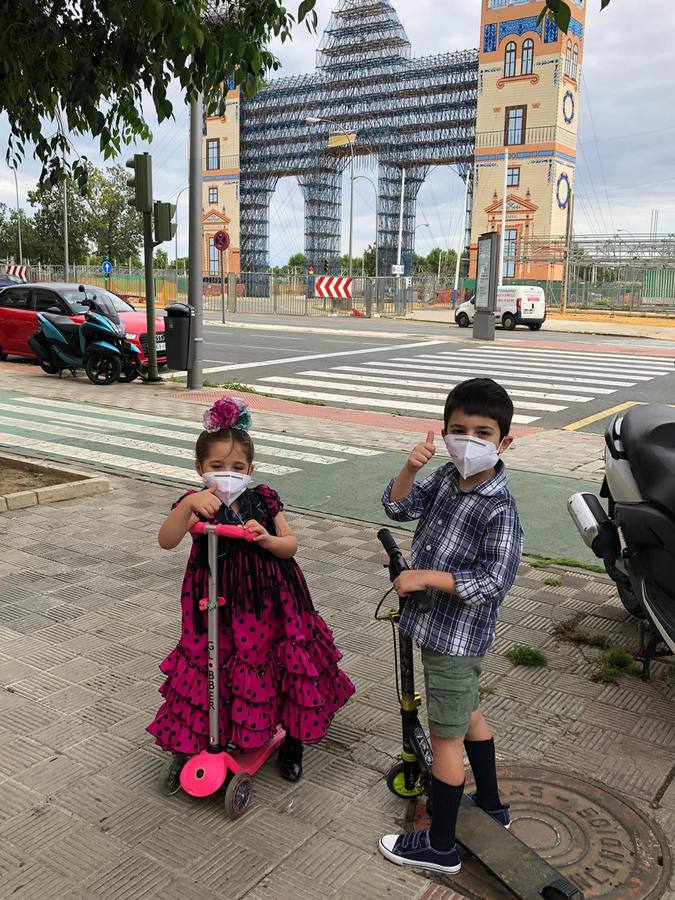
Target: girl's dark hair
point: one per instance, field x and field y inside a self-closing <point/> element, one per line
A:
<point x="481" y="397"/>
<point x="207" y="439"/>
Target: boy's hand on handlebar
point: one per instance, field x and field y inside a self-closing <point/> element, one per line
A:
<point x="422" y="453"/>
<point x="409" y="582"/>
<point x="204" y="503"/>
<point x="262" y="535"/>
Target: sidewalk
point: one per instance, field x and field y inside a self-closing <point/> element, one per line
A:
<point x="88" y="608"/>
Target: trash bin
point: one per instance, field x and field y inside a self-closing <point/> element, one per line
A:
<point x="178" y="325"/>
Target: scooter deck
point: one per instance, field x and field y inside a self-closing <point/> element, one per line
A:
<point x="511" y="861"/>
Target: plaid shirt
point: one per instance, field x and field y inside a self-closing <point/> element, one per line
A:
<point x="474" y="534"/>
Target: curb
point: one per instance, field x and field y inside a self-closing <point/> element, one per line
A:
<point x="82" y="485"/>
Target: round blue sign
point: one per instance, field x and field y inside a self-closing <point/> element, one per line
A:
<point x="106" y="267"/>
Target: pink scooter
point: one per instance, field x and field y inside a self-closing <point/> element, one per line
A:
<point x="207" y="772"/>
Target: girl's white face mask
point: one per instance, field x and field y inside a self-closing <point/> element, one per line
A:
<point x="471" y="455"/>
<point x="230" y="485"/>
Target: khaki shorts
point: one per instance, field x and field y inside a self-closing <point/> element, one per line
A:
<point x="452" y="691"/>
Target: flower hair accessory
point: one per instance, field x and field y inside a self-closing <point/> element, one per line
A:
<point x="230" y="412"/>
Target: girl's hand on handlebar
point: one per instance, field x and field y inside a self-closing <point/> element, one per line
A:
<point x="409" y="582"/>
<point x="204" y="503"/>
<point x="422" y="453"/>
<point x="262" y="535"/>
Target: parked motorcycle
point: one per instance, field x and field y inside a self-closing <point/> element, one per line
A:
<point x="635" y="538"/>
<point x="98" y="344"/>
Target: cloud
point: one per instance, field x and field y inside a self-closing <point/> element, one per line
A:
<point x="626" y="128"/>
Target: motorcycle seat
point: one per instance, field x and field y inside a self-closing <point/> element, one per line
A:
<point x="63" y="323"/>
<point x="648" y="438"/>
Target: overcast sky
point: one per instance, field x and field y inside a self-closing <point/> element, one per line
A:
<point x="626" y="129"/>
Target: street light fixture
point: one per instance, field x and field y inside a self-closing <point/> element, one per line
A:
<point x="18" y="215"/>
<point x="318" y="120"/>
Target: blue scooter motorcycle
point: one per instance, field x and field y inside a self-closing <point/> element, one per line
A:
<point x="98" y="344"/>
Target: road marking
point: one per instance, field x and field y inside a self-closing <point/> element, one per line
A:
<point x="294" y="359"/>
<point x="372" y="389"/>
<point x="605" y="414"/>
<point x="406" y="382"/>
<point x="388" y="405"/>
<point x="591" y="360"/>
<point x="538" y="367"/>
<point x="373" y="368"/>
<point x="598" y="354"/>
<point x="307" y="329"/>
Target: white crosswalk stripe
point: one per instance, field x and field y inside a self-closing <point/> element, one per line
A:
<point x="152" y="445"/>
<point x="541" y="381"/>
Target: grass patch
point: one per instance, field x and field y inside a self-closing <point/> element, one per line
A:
<point x="526" y="656"/>
<point x="543" y="562"/>
<point x="613" y="663"/>
<point x="487" y="689"/>
<point x="569" y="631"/>
<point x="553" y="581"/>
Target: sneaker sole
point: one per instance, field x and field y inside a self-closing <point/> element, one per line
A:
<point x="433" y="867"/>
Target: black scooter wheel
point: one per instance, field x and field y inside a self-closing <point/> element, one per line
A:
<point x="238" y="794"/>
<point x="103" y="368"/>
<point x="396" y="783"/>
<point x="48" y="367"/>
<point x="126" y="376"/>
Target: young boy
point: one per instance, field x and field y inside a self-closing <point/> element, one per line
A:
<point x="465" y="554"/>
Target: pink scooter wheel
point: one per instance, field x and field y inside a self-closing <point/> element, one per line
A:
<point x="238" y="795"/>
<point x="204" y="774"/>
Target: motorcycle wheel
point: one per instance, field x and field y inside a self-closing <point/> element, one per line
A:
<point x="126" y="376"/>
<point x="103" y="368"/>
<point x="630" y="602"/>
<point x="48" y="367"/>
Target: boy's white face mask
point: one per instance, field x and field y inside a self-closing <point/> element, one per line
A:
<point x="230" y="485"/>
<point x="471" y="455"/>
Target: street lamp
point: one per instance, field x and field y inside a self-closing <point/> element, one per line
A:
<point x="18" y="215"/>
<point x="180" y="194"/>
<point x="377" y="211"/>
<point x="318" y="120"/>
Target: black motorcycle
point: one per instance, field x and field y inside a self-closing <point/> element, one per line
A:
<point x="635" y="538"/>
<point x="97" y="345"/>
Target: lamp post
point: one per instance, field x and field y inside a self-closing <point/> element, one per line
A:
<point x="377" y="212"/>
<point x="18" y="216"/>
<point x="317" y="120"/>
<point x="180" y="194"/>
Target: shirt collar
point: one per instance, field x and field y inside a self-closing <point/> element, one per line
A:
<point x="495" y="485"/>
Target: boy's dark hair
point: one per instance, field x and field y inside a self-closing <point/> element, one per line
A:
<point x="481" y="397"/>
<point x="208" y="438"/>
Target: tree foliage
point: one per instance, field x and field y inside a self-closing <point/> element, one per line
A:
<point x="94" y="60"/>
<point x="115" y="229"/>
<point x="560" y="12"/>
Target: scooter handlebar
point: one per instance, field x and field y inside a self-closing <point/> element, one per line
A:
<point x="226" y="531"/>
<point x="397" y="564"/>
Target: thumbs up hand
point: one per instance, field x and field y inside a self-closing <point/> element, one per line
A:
<point x="421" y="454"/>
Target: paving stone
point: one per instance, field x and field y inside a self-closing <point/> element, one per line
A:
<point x="286" y="882"/>
<point x="135" y="877"/>
<point x="51" y="775"/>
<point x="231" y="874"/>
<point x="327" y="860"/>
<point x="314" y="805"/>
<point x="36" y="881"/>
<point x="12" y="860"/>
<point x="82" y="851"/>
<point x="94" y="799"/>
<point x="379" y="878"/>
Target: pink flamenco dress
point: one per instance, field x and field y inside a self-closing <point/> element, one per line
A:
<point x="278" y="661"/>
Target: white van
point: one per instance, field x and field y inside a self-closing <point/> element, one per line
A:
<point x="517" y="304"/>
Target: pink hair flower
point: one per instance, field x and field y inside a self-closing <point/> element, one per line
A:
<point x="228" y="412"/>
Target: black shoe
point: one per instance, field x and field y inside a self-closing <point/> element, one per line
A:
<point x="170" y="783"/>
<point x="290" y="760"/>
<point x="500" y="815"/>
<point x="414" y="849"/>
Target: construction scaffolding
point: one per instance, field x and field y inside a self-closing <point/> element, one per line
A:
<point x="407" y="114"/>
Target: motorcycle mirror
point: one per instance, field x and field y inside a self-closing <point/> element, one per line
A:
<point x="54" y="310"/>
<point x="81" y="289"/>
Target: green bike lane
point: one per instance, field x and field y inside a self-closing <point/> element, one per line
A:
<point x="324" y="476"/>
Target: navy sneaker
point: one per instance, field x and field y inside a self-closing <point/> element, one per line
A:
<point x="414" y="849"/>
<point x="501" y="815"/>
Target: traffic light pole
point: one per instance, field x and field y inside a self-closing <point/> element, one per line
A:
<point x="148" y="248"/>
<point x="195" y="375"/>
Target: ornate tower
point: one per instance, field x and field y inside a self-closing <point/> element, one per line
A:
<point x="528" y="104"/>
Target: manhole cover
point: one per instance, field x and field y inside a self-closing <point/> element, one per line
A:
<point x="597" y="840"/>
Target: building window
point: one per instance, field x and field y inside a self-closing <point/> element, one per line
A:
<point x="214" y="261"/>
<point x="514" y="125"/>
<point x="513" y="176"/>
<point x="213" y="195"/>
<point x="510" y="243"/>
<point x="568" y="59"/>
<point x="575" y="62"/>
<point x="527" y="60"/>
<point x="213" y="154"/>
<point x="510" y="60"/>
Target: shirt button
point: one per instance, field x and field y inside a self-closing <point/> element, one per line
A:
<point x="429" y="547"/>
<point x="440" y="522"/>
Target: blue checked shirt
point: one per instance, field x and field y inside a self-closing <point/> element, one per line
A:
<point x="474" y="534"/>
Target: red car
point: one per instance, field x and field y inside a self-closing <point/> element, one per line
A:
<point x="20" y="304"/>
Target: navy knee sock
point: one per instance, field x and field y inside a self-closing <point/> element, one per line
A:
<point x="445" y="800"/>
<point x="484" y="766"/>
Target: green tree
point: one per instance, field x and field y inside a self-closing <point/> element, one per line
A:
<point x="297" y="261"/>
<point x="560" y="12"/>
<point x="94" y="60"/>
<point x="114" y="228"/>
<point x="9" y="236"/>
<point x="48" y="224"/>
<point x="161" y="259"/>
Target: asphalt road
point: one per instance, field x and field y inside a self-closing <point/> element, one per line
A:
<point x="407" y="367"/>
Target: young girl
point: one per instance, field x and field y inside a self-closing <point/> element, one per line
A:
<point x="278" y="662"/>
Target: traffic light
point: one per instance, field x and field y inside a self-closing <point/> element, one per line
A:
<point x="325" y="267"/>
<point x="141" y="182"/>
<point x="165" y="226"/>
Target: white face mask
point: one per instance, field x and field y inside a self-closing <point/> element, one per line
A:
<point x="471" y="455"/>
<point x="230" y="484"/>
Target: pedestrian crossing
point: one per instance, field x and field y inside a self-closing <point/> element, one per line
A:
<point x="541" y="382"/>
<point x="141" y="444"/>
